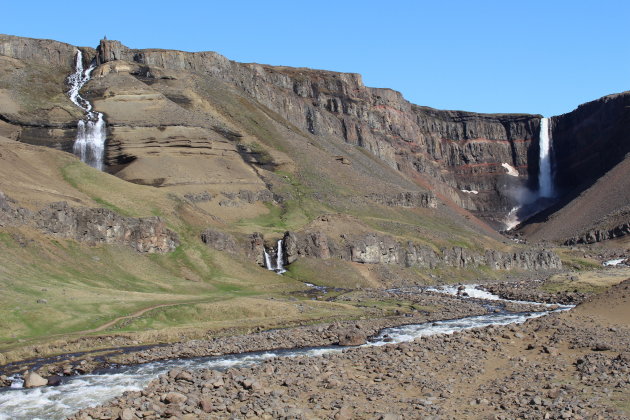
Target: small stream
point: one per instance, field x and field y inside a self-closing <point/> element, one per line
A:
<point x="82" y="391"/>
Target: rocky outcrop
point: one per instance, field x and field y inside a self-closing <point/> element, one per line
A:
<point x="256" y="249"/>
<point x="220" y="241"/>
<point x="598" y="235"/>
<point x="92" y="225"/>
<point x="375" y="248"/>
<point x="406" y="199"/>
<point x="42" y="51"/>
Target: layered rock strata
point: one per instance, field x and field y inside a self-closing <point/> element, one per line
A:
<point x="92" y="225"/>
<point x="459" y="150"/>
<point x="599" y="235"/>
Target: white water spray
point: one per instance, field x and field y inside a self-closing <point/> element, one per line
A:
<point x="545" y="181"/>
<point x="89" y="145"/>
<point x="511" y="220"/>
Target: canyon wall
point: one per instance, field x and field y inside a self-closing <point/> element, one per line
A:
<point x="591" y="140"/>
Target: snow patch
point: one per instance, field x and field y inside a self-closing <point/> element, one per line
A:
<point x="470" y="191"/>
<point x="510" y="169"/>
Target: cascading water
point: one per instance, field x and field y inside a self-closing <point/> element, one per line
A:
<point x="268" y="264"/>
<point x="279" y="266"/>
<point x="545" y="180"/>
<point x="280" y="259"/>
<point x="89" y="145"/>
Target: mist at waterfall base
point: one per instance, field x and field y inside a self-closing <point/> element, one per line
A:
<point x="532" y="201"/>
<point x="89" y="144"/>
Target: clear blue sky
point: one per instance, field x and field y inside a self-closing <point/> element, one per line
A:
<point x="542" y="57"/>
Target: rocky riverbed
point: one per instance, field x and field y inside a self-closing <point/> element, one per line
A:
<point x="567" y="365"/>
<point x="525" y="371"/>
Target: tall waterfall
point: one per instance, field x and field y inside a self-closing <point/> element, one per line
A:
<point x="545" y="180"/>
<point x="91" y="134"/>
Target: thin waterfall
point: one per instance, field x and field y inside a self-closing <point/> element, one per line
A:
<point x="89" y="145"/>
<point x="545" y="180"/>
<point x="268" y="264"/>
<point x="280" y="259"/>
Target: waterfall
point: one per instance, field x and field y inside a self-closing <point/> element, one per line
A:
<point x="89" y="145"/>
<point x="279" y="267"/>
<point x="280" y="259"/>
<point x="545" y="181"/>
<point x="268" y="261"/>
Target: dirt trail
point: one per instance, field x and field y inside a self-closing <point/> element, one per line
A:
<point x="133" y="315"/>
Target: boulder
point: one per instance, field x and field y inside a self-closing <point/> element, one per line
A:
<point x="33" y="380"/>
<point x="174" y="398"/>
<point x="352" y="338"/>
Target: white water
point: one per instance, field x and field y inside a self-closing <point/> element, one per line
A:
<point x="88" y="390"/>
<point x="511" y="220"/>
<point x="474" y="291"/>
<point x="545" y="180"/>
<point x="89" y="145"/>
<point x="268" y="265"/>
<point x="613" y="263"/>
<point x="280" y="259"/>
<point x="279" y="266"/>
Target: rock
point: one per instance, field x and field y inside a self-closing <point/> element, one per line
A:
<point x="252" y="384"/>
<point x="33" y="380"/>
<point x="184" y="376"/>
<point x="601" y="346"/>
<point x="373" y="248"/>
<point x="54" y="380"/>
<point x="406" y="199"/>
<point x="95" y="226"/>
<point x="206" y="405"/>
<point x="352" y="338"/>
<point x="220" y="241"/>
<point x="174" y="398"/>
<point x="127" y="414"/>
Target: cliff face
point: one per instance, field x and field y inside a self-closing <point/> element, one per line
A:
<point x="591" y="140"/>
<point x="447" y="151"/>
<point x="163" y="102"/>
<point x="382" y="249"/>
